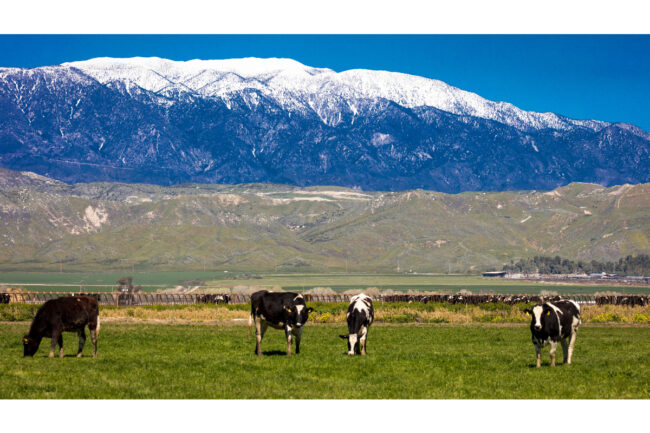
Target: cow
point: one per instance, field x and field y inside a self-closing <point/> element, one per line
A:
<point x="553" y="321"/>
<point x="213" y="299"/>
<point x="279" y="310"/>
<point x="68" y="314"/>
<point x="359" y="316"/>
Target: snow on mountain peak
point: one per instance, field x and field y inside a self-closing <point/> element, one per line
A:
<point x="245" y="67"/>
<point x="290" y="82"/>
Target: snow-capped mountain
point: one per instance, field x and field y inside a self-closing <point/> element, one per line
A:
<point x="277" y="120"/>
<point x="296" y="86"/>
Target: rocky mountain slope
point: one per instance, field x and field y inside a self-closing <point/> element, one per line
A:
<point x="46" y="224"/>
<point x="152" y="120"/>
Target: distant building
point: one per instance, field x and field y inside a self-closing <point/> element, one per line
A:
<point x="494" y="274"/>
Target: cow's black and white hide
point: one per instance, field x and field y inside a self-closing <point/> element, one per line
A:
<point x="360" y="315"/>
<point x="552" y="322"/>
<point x="213" y="299"/>
<point x="280" y="310"/>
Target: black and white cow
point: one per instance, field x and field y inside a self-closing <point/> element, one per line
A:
<point x="359" y="316"/>
<point x="553" y="321"/>
<point x="279" y="310"/>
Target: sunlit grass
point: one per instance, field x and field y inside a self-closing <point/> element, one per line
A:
<point x="403" y="361"/>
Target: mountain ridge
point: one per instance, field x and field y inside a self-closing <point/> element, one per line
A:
<point x="356" y="83"/>
<point x="84" y="121"/>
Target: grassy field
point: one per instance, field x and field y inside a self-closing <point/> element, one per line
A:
<point x="419" y="282"/>
<point x="298" y="282"/>
<point x="404" y="361"/>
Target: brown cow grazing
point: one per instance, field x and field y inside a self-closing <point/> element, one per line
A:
<point x="69" y="314"/>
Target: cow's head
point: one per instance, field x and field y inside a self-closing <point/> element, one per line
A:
<point x="539" y="315"/>
<point x="297" y="312"/>
<point x="30" y="345"/>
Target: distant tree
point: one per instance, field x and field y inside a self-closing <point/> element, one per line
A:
<point x="125" y="284"/>
<point x="629" y="265"/>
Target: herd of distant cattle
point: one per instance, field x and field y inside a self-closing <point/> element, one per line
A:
<point x="471" y="299"/>
<point x="555" y="320"/>
<point x="476" y="299"/>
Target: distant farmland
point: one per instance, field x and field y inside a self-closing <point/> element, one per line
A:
<point x="154" y="281"/>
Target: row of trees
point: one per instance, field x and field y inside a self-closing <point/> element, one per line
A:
<point x="630" y="265"/>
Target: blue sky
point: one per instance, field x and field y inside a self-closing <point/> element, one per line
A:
<point x="600" y="77"/>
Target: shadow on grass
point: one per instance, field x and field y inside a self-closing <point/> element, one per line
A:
<point x="56" y="356"/>
<point x="275" y="353"/>
<point x="547" y="365"/>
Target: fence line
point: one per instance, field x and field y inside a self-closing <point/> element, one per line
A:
<point x="126" y="299"/>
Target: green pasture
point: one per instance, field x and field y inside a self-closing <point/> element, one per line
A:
<point x="403" y="361"/>
<point x="421" y="282"/>
<point x="152" y="281"/>
<point x="108" y="278"/>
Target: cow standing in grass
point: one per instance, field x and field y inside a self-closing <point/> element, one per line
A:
<point x="69" y="314"/>
<point x="359" y="316"/>
<point x="286" y="311"/>
<point x="553" y="321"/>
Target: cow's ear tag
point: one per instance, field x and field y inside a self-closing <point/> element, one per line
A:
<point x="548" y="313"/>
<point x="289" y="310"/>
<point x="25" y="340"/>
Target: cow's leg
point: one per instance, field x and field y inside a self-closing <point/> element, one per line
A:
<point x="55" y="340"/>
<point x="93" y="337"/>
<point x="260" y="329"/>
<point x="60" y="341"/>
<point x="82" y="341"/>
<point x="565" y="350"/>
<point x="258" y="336"/>
<point x="571" y="343"/>
<point x="94" y="333"/>
<point x="574" y="331"/>
<point x="552" y="352"/>
<point x="287" y="333"/>
<point x="538" y="351"/>
<point x="298" y="334"/>
<point x="352" y="344"/>
<point x="362" y="340"/>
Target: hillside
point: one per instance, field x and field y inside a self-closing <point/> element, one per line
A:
<point x="46" y="224"/>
